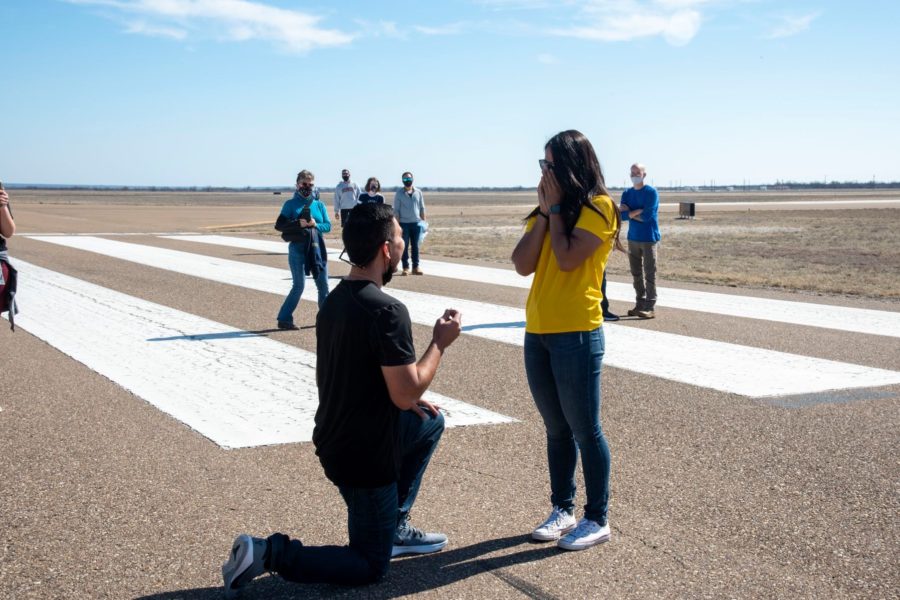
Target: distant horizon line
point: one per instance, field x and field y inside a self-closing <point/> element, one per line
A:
<point x="778" y="185"/>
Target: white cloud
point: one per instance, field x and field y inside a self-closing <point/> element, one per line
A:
<point x="234" y="20"/>
<point x="676" y="21"/>
<point x="143" y="28"/>
<point x="387" y="29"/>
<point x="449" y="29"/>
<point x="790" y="25"/>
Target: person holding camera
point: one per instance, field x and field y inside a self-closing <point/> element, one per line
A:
<point x="7" y="272"/>
<point x="374" y="432"/>
<point x="302" y="221"/>
<point x="567" y="241"/>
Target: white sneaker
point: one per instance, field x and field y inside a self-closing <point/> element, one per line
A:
<point x="588" y="533"/>
<point x="558" y="523"/>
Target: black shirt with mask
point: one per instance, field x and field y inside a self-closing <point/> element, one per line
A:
<point x="359" y="329"/>
<point x="367" y="199"/>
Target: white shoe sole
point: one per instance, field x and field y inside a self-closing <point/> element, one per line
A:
<point x="549" y="537"/>
<point x="421" y="549"/>
<point x="242" y="555"/>
<point x="582" y="545"/>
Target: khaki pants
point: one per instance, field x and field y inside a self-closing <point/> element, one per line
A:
<point x="642" y="260"/>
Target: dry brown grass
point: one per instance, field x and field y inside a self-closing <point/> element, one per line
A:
<point x="839" y="252"/>
<point x="834" y="252"/>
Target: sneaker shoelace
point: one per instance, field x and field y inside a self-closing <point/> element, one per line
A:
<point x="556" y="517"/>
<point x="585" y="527"/>
<point x="410" y="532"/>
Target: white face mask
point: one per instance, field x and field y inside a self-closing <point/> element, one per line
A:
<point x="637" y="180"/>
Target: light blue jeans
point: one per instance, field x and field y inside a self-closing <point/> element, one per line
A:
<point x="563" y="372"/>
<point x="297" y="263"/>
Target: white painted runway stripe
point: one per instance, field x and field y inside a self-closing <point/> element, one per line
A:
<point x="841" y="318"/>
<point x="236" y="388"/>
<point x="717" y="365"/>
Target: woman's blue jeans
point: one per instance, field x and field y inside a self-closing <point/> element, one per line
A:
<point x="373" y="515"/>
<point x="297" y="263"/>
<point x="563" y="372"/>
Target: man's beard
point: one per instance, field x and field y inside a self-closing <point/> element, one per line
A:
<point x="389" y="274"/>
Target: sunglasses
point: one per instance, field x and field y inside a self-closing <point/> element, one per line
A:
<point x="545" y="164"/>
<point x="351" y="263"/>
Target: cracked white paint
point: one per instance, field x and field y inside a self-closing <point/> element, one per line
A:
<point x="236" y="388"/>
<point x="733" y="368"/>
<point x="841" y="318"/>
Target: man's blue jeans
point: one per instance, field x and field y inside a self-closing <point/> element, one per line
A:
<point x="372" y="518"/>
<point x="563" y="372"/>
<point x="411" y="234"/>
<point x="297" y="263"/>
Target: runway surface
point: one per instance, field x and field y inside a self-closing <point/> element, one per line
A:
<point x="150" y="412"/>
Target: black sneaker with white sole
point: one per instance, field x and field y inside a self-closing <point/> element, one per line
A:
<point x="246" y="562"/>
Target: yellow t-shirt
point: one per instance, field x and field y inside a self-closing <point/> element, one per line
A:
<point x="563" y="301"/>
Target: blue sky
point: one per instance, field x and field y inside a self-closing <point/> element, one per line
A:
<point x="461" y="92"/>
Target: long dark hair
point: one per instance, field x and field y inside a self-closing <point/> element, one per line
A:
<point x="578" y="172"/>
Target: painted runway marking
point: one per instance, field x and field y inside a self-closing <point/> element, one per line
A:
<point x="732" y="368"/>
<point x="841" y="318"/>
<point x="234" y="387"/>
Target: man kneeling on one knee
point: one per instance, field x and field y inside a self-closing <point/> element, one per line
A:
<point x="374" y="433"/>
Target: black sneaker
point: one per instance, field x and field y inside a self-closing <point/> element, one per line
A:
<point x="287" y="325"/>
<point x="608" y="316"/>
<point x="246" y="562"/>
<point x="412" y="540"/>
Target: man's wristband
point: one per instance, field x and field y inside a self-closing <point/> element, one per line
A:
<point x="545" y="215"/>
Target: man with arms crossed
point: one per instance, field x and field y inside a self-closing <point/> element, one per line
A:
<point x="346" y="196"/>
<point x="374" y="433"/>
<point x="639" y="207"/>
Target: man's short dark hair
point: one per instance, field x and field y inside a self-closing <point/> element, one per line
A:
<point x="368" y="227"/>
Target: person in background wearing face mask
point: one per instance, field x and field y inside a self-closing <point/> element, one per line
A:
<point x="8" y="275"/>
<point x="302" y="222"/>
<point x="373" y="186"/>
<point x="346" y="196"/>
<point x="639" y="207"/>
<point x="409" y="206"/>
<point x="374" y="432"/>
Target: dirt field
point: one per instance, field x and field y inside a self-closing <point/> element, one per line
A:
<point x="853" y="251"/>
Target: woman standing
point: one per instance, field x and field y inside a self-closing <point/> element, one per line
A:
<point x="373" y="186"/>
<point x="7" y="272"/>
<point x="302" y="222"/>
<point x="568" y="239"/>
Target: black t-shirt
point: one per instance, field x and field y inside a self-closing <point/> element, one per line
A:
<point x="367" y="199"/>
<point x="359" y="329"/>
<point x="3" y="239"/>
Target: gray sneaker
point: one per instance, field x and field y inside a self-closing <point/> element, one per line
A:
<point x="412" y="540"/>
<point x="244" y="563"/>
